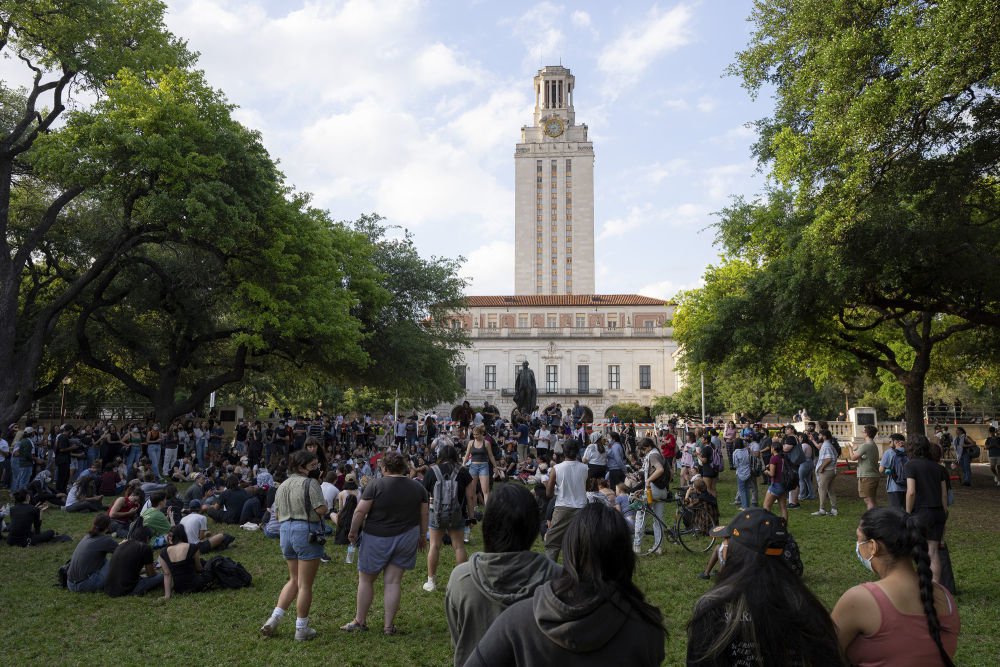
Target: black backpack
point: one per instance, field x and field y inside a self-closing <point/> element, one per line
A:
<point x="789" y="475"/>
<point x="224" y="572"/>
<point x="62" y="575"/>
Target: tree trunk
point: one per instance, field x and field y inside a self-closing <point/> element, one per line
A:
<point x="914" y="386"/>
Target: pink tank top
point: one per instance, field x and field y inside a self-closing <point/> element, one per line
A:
<point x="903" y="636"/>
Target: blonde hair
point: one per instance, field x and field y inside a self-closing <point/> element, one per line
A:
<point x="479" y="431"/>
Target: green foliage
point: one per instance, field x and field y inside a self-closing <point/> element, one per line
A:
<point x="629" y="411"/>
<point x="882" y="139"/>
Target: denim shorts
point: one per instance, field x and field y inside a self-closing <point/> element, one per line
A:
<point x="479" y="470"/>
<point x="776" y="489"/>
<point x="295" y="543"/>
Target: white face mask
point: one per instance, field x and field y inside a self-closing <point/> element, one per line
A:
<point x="866" y="562"/>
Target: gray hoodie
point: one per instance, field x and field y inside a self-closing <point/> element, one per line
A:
<point x="598" y="631"/>
<point x="481" y="588"/>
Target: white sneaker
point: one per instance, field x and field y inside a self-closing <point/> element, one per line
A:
<point x="819" y="513"/>
<point x="636" y="550"/>
<point x="430" y="586"/>
<point x="833" y="512"/>
<point x="269" y="627"/>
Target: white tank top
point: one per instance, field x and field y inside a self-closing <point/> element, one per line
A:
<point x="571" y="484"/>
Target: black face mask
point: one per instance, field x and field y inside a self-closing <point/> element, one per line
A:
<point x="314" y="473"/>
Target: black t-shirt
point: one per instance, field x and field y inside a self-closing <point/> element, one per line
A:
<point x="395" y="505"/>
<point x="993" y="446"/>
<point x="127" y="563"/>
<point x="233" y="500"/>
<point x="741" y="651"/>
<point x="463" y="480"/>
<point x="24" y="521"/>
<point x="928" y="476"/>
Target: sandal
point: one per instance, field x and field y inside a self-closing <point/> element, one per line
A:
<point x="392" y="630"/>
<point x="354" y="626"/>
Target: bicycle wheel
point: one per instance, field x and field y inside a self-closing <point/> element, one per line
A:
<point x="650" y="532"/>
<point x="695" y="533"/>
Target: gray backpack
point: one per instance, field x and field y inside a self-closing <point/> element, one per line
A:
<point x="445" y="504"/>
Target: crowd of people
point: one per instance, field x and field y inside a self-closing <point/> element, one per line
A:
<point x="394" y="488"/>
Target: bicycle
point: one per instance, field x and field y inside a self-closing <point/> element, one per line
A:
<point x="691" y="530"/>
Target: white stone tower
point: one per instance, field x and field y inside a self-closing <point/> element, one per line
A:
<point x="554" y="194"/>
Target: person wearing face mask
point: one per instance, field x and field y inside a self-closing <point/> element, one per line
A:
<point x="300" y="508"/>
<point x="759" y="611"/>
<point x="904" y="613"/>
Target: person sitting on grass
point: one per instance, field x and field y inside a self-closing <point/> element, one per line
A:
<point x="592" y="614"/>
<point x="155" y="520"/>
<point x="132" y="557"/>
<point x="125" y="508"/>
<point x="81" y="495"/>
<point x="26" y="522"/>
<point x="505" y="572"/>
<point x="228" y="508"/>
<point x="703" y="505"/>
<point x="758" y="606"/>
<point x="196" y="528"/>
<point x="181" y="565"/>
<point x="88" y="568"/>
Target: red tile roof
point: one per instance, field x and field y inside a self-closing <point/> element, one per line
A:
<point x="564" y="300"/>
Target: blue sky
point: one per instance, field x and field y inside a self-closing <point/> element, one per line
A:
<point x="412" y="109"/>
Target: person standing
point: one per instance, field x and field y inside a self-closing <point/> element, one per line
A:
<point x="992" y="445"/>
<point x="867" y="458"/>
<point x="479" y="458"/>
<point x="892" y="461"/>
<point x="826" y="472"/>
<point x="963" y="452"/>
<point x="657" y="488"/>
<point x="744" y="479"/>
<point x="616" y="460"/>
<point x="927" y="497"/>
<point x="542" y="442"/>
<point x="568" y="483"/>
<point x="299" y="505"/>
<point x="450" y="514"/>
<point x="391" y="521"/>
<point x="596" y="456"/>
<point x="154" y="440"/>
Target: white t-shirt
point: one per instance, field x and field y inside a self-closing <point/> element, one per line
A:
<point x="329" y="493"/>
<point x="4" y="450"/>
<point x="542" y="436"/>
<point x="193" y="524"/>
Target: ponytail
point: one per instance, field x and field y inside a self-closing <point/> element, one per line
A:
<point x="922" y="559"/>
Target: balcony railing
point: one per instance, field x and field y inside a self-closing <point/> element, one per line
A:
<point x="570" y="332"/>
<point x="508" y="392"/>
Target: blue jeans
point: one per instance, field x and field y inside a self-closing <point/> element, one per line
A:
<point x="147" y="584"/>
<point x="806" y="487"/>
<point x="199" y="449"/>
<point x="965" y="461"/>
<point x="743" y="491"/>
<point x="20" y="475"/>
<point x="92" y="584"/>
<point x="154" y="459"/>
<point x="134" y="452"/>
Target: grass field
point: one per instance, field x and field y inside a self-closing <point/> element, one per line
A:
<point x="43" y="624"/>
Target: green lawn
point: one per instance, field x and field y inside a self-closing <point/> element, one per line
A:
<point x="44" y="624"/>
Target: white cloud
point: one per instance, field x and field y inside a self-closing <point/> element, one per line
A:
<point x="490" y="268"/>
<point x="539" y="30"/>
<point x="580" y="19"/>
<point x="636" y="217"/>
<point x="721" y="181"/>
<point x="705" y="104"/>
<point x="626" y="58"/>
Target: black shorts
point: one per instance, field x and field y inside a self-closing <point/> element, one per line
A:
<point x="932" y="520"/>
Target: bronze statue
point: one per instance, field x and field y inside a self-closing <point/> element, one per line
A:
<point x="525" y="391"/>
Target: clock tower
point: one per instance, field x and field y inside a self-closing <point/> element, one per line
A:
<point x="554" y="194"/>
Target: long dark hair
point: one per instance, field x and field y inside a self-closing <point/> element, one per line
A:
<point x="788" y="624"/>
<point x="599" y="560"/>
<point x="904" y="538"/>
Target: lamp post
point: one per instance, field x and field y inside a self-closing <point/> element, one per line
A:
<point x="62" y="398"/>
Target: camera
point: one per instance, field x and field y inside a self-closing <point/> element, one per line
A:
<point x="317" y="538"/>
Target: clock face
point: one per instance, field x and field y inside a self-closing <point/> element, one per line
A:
<point x="553" y="127"/>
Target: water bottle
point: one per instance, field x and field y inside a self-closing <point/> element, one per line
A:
<point x="350" y="554"/>
<point x="649" y="495"/>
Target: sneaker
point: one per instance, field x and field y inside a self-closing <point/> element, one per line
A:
<point x="227" y="539"/>
<point x="794" y="506"/>
<point x="736" y="503"/>
<point x="636" y="550"/>
<point x="819" y="513"/>
<point x="833" y="512"/>
<point x="269" y="627"/>
<point x="430" y="586"/>
<point x="702" y="575"/>
<point x="304" y="634"/>
<point x="325" y="558"/>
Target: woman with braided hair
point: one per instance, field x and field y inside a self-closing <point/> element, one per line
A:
<point x="905" y="615"/>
